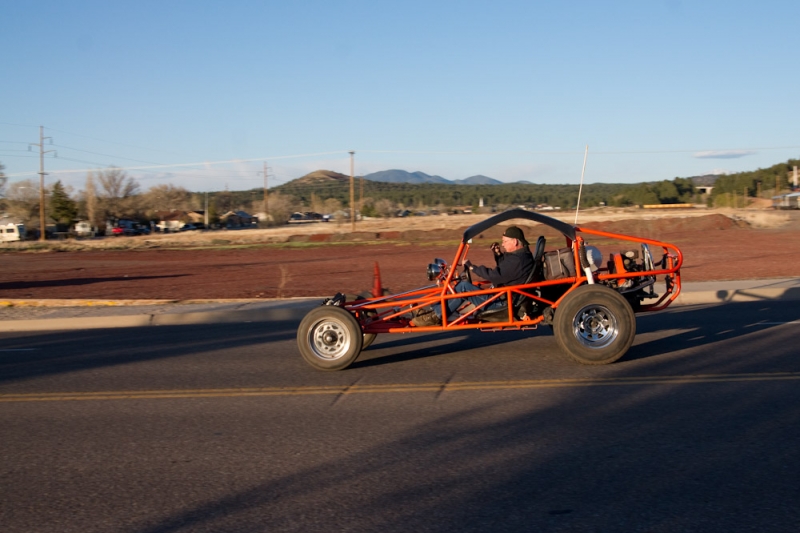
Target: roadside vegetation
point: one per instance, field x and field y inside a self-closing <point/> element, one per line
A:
<point x="111" y="195"/>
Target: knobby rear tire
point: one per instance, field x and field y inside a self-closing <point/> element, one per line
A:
<point x="594" y="325"/>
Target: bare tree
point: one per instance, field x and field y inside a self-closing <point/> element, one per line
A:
<point x="117" y="192"/>
<point x="385" y="208"/>
<point x="3" y="180"/>
<point x="167" y="198"/>
<point x="90" y="195"/>
<point x="281" y="207"/>
<point x="224" y="202"/>
<point x="316" y="204"/>
<point x="22" y="202"/>
<point x="331" y="206"/>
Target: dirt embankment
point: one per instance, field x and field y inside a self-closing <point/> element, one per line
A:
<point x="296" y="261"/>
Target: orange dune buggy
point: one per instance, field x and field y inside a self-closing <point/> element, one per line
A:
<point x="590" y="303"/>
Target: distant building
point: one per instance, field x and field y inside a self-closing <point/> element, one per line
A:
<point x="786" y="201"/>
<point x="704" y="184"/>
<point x="11" y="230"/>
<point x="237" y="219"/>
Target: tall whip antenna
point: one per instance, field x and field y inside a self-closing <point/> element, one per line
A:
<point x="580" y="189"/>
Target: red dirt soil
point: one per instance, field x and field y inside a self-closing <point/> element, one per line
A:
<point x="714" y="247"/>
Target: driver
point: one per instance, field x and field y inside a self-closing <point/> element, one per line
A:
<point x="512" y="268"/>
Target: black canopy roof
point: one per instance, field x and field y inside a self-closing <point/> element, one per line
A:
<point x="476" y="229"/>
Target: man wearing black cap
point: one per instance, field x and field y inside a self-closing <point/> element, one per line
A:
<point x="513" y="268"/>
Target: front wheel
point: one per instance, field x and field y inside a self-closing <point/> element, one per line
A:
<point x="594" y="325"/>
<point x="368" y="339"/>
<point x="329" y="338"/>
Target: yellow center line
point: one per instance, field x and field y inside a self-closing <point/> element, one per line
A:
<point x="396" y="387"/>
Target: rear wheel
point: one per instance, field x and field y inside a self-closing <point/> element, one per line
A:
<point x="594" y="325"/>
<point x="329" y="338"/>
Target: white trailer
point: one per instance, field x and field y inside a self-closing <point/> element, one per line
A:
<point x="786" y="201"/>
<point x="11" y="231"/>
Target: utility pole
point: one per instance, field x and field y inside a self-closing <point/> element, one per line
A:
<point x="42" y="151"/>
<point x="266" y="202"/>
<point x="352" y="194"/>
<point x="361" y="195"/>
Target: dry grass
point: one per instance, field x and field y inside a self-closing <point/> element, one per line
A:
<point x="763" y="219"/>
<point x="221" y="239"/>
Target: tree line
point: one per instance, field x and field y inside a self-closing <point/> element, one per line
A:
<point x="111" y="194"/>
<point x="414" y="196"/>
<point x="763" y="182"/>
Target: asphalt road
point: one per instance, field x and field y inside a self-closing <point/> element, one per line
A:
<point x="224" y="428"/>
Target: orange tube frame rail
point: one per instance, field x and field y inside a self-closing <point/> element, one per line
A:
<point x="389" y="314"/>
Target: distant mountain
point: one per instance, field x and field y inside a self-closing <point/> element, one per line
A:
<point x="478" y="180"/>
<point x="320" y="176"/>
<point x="402" y="176"/>
<point x="392" y="176"/>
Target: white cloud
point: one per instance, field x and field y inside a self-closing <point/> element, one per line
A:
<point x="723" y="154"/>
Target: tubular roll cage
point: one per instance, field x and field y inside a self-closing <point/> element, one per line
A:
<point x="386" y="314"/>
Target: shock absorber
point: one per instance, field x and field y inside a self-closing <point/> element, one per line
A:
<point x="585" y="263"/>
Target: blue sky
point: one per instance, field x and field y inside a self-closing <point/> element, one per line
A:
<point x="201" y="93"/>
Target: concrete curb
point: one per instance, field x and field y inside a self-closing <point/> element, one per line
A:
<point x="276" y="314"/>
<point x="718" y="292"/>
<point x="730" y="296"/>
<point x="184" y="312"/>
<point x="77" y="302"/>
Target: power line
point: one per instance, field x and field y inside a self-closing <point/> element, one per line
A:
<point x="106" y="155"/>
<point x="153" y="166"/>
<point x="20" y="125"/>
<point x="77" y="161"/>
<point x="42" y="151"/>
<point x="202" y="163"/>
<point x="113" y="142"/>
<point x="571" y="152"/>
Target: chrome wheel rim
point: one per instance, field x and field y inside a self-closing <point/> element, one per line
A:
<point x="329" y="339"/>
<point x="595" y="326"/>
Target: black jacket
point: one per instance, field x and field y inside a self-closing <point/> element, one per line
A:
<point x="513" y="268"/>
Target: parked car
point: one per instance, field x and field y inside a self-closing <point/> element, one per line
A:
<point x="590" y="305"/>
<point x="83" y="229"/>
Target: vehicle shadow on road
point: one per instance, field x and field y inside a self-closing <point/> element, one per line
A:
<point x="687" y="328"/>
<point x="408" y="346"/>
<point x="614" y="458"/>
<point x="32" y="355"/>
<point x="69" y="282"/>
<point x="609" y="456"/>
<point x="700" y="326"/>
